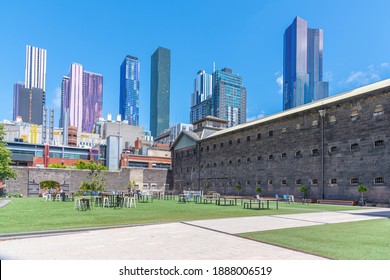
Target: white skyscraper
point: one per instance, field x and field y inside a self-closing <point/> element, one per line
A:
<point x="35" y="73"/>
<point x="76" y="96"/>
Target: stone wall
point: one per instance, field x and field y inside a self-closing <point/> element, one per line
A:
<point x="349" y="146"/>
<point x="115" y="180"/>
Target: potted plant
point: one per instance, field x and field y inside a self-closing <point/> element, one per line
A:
<point x="304" y="190"/>
<point x="238" y="188"/>
<point x="362" y="189"/>
<point x="258" y="190"/>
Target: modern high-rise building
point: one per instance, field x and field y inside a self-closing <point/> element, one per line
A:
<point x="35" y="73"/>
<point x="76" y="96"/>
<point x="129" y="90"/>
<point x="229" y="97"/>
<point x="82" y="98"/>
<point x="160" y="90"/>
<point x="92" y="99"/>
<point x="30" y="97"/>
<point x="302" y="65"/>
<point x="28" y="104"/>
<point x="64" y="100"/>
<point x="201" y="97"/>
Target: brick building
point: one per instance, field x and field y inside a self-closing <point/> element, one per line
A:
<point x="330" y="146"/>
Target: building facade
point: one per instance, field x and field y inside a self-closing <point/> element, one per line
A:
<point x="64" y="101"/>
<point x="201" y="97"/>
<point x="302" y="65"/>
<point x="28" y="104"/>
<point x="35" y="72"/>
<point x="229" y="97"/>
<point x="129" y="90"/>
<point x="92" y="99"/>
<point x="82" y="98"/>
<point x="331" y="146"/>
<point x="160" y="90"/>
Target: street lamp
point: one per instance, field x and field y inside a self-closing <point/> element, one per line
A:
<point x="322" y="115"/>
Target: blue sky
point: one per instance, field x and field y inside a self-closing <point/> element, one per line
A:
<point x="245" y="35"/>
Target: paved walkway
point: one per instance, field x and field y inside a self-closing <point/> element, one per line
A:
<point x="195" y="240"/>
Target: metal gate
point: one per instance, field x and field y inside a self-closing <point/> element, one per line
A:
<point x="33" y="188"/>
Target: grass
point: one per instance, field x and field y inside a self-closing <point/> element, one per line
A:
<point x="34" y="214"/>
<point x="364" y="240"/>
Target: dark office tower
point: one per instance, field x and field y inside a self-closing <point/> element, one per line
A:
<point x="129" y="90"/>
<point x="160" y="90"/>
<point x="302" y="65"/>
<point x="17" y="87"/>
<point x="92" y="99"/>
<point x="29" y="104"/>
<point x="229" y="97"/>
<point x="64" y="99"/>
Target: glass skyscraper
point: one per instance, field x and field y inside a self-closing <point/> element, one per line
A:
<point x="229" y="97"/>
<point x="302" y="65"/>
<point x="201" y="97"/>
<point x="92" y="99"/>
<point x="160" y="90"/>
<point x="129" y="90"/>
<point x="82" y="98"/>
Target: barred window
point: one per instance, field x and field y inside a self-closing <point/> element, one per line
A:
<point x="270" y="182"/>
<point x="284" y="155"/>
<point x="284" y="182"/>
<point x="379" y="180"/>
<point x="333" y="149"/>
<point x="221" y="144"/>
<point x="238" y="140"/>
<point x="379" y="143"/>
<point x="298" y="154"/>
<point x="354" y="146"/>
<point x="332" y="119"/>
<point x="248" y="159"/>
<point x="259" y="158"/>
<point x="248" y="138"/>
<point x="354" y="115"/>
<point x="354" y="181"/>
<point x="314" y="124"/>
<point x="284" y="130"/>
<point x="259" y="136"/>
<point x="298" y="126"/>
<point x="378" y="110"/>
<point x="315" y="152"/>
<point x="314" y="182"/>
<point x="333" y="181"/>
<point x="230" y="142"/>
<point x="298" y="182"/>
<point x="214" y="146"/>
<point x="271" y="133"/>
<point x="271" y="157"/>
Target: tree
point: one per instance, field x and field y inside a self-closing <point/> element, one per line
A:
<point x="258" y="190"/>
<point x="5" y="159"/>
<point x="362" y="189"/>
<point x="91" y="165"/>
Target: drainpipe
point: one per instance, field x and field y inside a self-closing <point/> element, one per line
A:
<point x="322" y="114"/>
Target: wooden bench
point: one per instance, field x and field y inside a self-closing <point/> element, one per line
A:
<point x="337" y="201"/>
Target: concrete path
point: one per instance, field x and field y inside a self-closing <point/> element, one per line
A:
<point x="196" y="240"/>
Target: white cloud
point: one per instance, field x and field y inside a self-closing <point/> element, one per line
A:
<point x="372" y="74"/>
<point x="279" y="81"/>
<point x="57" y="99"/>
<point x="258" y="116"/>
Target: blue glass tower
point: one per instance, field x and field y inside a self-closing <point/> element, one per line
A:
<point x="302" y="65"/>
<point x="129" y="90"/>
<point x="229" y="97"/>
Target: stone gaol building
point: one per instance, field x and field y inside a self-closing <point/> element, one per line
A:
<point x="330" y="146"/>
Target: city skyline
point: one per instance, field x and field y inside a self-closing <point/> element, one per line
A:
<point x="248" y="45"/>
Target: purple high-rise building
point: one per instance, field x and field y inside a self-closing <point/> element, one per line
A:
<point x="82" y="98"/>
<point x="17" y="87"/>
<point x="92" y="99"/>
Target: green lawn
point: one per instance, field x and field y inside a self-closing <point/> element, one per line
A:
<point x="365" y="240"/>
<point x="34" y="214"/>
